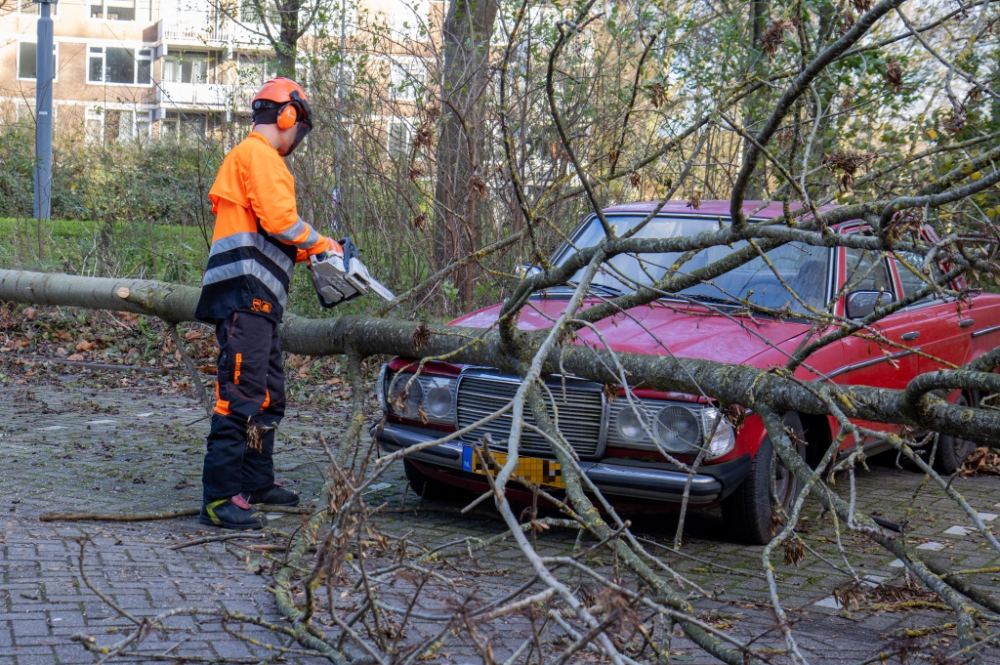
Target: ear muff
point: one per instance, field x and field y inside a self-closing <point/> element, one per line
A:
<point x="288" y="115"/>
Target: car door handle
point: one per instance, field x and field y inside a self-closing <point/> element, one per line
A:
<point x="965" y="323"/>
<point x="910" y="336"/>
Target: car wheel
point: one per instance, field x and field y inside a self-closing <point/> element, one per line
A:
<point x="951" y="450"/>
<point x="748" y="512"/>
<point x="422" y="484"/>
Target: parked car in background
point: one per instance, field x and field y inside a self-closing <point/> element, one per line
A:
<point x="705" y="321"/>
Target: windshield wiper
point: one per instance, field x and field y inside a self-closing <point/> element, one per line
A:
<point x="705" y="298"/>
<point x="608" y="290"/>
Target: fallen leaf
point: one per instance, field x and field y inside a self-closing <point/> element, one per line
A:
<point x="193" y="335"/>
<point x="30" y="312"/>
<point x="85" y="346"/>
<point x="76" y="357"/>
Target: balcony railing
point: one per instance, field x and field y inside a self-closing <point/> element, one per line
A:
<point x="191" y="29"/>
<point x="207" y="29"/>
<point x="217" y="96"/>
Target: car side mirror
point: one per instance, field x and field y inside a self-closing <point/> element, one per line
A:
<point x="862" y="303"/>
<point x="526" y="270"/>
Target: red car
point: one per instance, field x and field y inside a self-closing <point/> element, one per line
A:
<point x="613" y="439"/>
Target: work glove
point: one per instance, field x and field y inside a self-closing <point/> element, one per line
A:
<point x="338" y="278"/>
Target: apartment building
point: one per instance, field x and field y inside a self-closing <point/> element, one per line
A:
<point x="130" y="68"/>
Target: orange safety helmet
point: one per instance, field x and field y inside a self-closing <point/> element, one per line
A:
<point x="283" y="102"/>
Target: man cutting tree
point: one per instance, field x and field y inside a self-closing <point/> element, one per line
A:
<point x="258" y="239"/>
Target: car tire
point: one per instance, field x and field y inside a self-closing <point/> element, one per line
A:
<point x="423" y="485"/>
<point x="951" y="450"/>
<point x="747" y="512"/>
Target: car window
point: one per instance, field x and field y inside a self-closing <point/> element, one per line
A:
<point x="910" y="280"/>
<point x="798" y="266"/>
<point x="866" y="271"/>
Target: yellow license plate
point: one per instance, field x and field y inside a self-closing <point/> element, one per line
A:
<point x="532" y="469"/>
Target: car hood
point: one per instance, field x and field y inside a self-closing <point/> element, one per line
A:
<point x="686" y="331"/>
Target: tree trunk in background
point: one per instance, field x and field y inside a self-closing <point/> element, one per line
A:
<point x="460" y="189"/>
<point x="752" y="111"/>
<point x="288" y="38"/>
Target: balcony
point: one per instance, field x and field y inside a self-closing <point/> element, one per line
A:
<point x="203" y="96"/>
<point x="198" y="30"/>
<point x="207" y="30"/>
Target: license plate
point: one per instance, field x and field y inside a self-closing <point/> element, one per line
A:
<point x="532" y="469"/>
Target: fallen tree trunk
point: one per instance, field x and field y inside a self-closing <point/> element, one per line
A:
<point x="730" y="384"/>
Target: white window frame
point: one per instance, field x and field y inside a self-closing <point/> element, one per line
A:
<point x="136" y="49"/>
<point x="25" y="109"/>
<point x="99" y="113"/>
<point x="22" y="3"/>
<point x="55" y="64"/>
<point x="104" y="8"/>
<point x="415" y="14"/>
<point x="405" y="73"/>
<point x="407" y="125"/>
<point x="178" y="56"/>
<point x="265" y="68"/>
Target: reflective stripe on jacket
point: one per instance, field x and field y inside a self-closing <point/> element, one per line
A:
<point x="258" y="235"/>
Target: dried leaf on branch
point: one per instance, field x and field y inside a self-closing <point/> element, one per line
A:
<point x="774" y="36"/>
<point x="848" y="163"/>
<point x="894" y="76"/>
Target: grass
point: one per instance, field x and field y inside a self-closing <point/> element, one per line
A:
<point x="148" y="251"/>
<point x="171" y="253"/>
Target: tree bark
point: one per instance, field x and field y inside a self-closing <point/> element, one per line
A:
<point x="729" y="384"/>
<point x="467" y="31"/>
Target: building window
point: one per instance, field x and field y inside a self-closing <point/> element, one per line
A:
<point x="27" y="60"/>
<point x="407" y="78"/>
<point x="31" y="7"/>
<point x="253" y="70"/>
<point x="185" y="68"/>
<point x="113" y="10"/>
<point x="399" y="136"/>
<point x="119" y="65"/>
<point x="185" y="125"/>
<point x="105" y="126"/>
<point x="410" y="18"/>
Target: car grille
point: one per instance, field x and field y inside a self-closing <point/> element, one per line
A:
<point x="580" y="409"/>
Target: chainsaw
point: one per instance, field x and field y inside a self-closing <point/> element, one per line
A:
<point x="339" y="278"/>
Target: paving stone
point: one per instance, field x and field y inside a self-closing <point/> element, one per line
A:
<point x="132" y="562"/>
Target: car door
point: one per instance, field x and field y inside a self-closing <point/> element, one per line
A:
<point x="943" y="327"/>
<point x="867" y="361"/>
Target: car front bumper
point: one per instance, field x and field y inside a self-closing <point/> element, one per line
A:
<point x="621" y="478"/>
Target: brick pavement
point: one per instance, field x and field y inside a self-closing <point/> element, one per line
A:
<point x="80" y="445"/>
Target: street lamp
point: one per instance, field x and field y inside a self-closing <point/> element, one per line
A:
<point x="44" y="76"/>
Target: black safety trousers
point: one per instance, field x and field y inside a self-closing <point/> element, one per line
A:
<point x="250" y="389"/>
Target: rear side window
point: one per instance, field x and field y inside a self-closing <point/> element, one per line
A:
<point x="866" y="271"/>
<point x="910" y="268"/>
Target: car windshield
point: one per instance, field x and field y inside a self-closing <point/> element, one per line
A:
<point x="802" y="267"/>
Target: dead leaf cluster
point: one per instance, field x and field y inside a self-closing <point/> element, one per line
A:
<point x="982" y="461"/>
<point x="848" y="162"/>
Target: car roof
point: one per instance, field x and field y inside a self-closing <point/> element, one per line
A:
<point x="713" y="208"/>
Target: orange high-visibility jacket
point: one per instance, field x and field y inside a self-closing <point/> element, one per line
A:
<point x="258" y="236"/>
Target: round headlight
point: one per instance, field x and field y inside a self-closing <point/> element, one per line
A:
<point x="723" y="434"/>
<point x="439" y="402"/>
<point x="629" y="426"/>
<point x="677" y="429"/>
<point x="405" y="396"/>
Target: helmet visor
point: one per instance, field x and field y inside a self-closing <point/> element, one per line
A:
<point x="305" y="126"/>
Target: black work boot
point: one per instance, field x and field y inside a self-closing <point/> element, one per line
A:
<point x="231" y="513"/>
<point x="275" y="495"/>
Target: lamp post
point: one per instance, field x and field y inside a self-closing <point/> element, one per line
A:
<point x="44" y="77"/>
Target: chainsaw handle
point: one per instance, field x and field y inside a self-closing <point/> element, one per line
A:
<point x="350" y="250"/>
